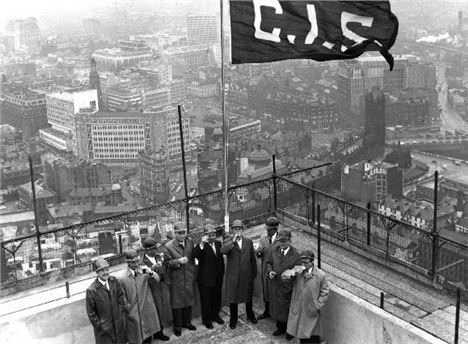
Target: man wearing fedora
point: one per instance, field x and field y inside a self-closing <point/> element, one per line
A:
<point x="267" y="240"/>
<point x="281" y="257"/>
<point x="142" y="317"/>
<point x="210" y="276"/>
<point x="180" y="261"/>
<point x="105" y="305"/>
<point x="154" y="261"/>
<point x="241" y="270"/>
<point x="309" y="296"/>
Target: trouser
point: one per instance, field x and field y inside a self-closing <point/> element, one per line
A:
<point x="313" y="339"/>
<point x="233" y="310"/>
<point x="210" y="299"/>
<point x="267" y="307"/>
<point x="182" y="317"/>
<point x="281" y="326"/>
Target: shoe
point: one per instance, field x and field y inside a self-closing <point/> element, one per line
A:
<point x="161" y="336"/>
<point x="208" y="325"/>
<point x="190" y="327"/>
<point x="264" y="315"/>
<point x="277" y="333"/>
<point x="288" y="336"/>
<point x="232" y="325"/>
<point x="178" y="332"/>
<point x="219" y="320"/>
<point x="252" y="318"/>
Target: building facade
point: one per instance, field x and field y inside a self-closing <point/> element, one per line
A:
<point x="154" y="178"/>
<point x="128" y="55"/>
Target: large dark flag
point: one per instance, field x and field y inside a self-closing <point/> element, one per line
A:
<point x="274" y="30"/>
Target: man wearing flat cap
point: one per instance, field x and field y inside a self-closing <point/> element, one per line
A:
<point x="241" y="269"/>
<point x="154" y="261"/>
<point x="210" y="276"/>
<point x="180" y="261"/>
<point x="142" y="317"/>
<point x="105" y="305"/>
<point x="281" y="257"/>
<point x="267" y="240"/>
<point x="309" y="296"/>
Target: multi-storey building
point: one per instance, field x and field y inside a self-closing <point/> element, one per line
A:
<point x="43" y="198"/>
<point x="128" y="55"/>
<point x="26" y="33"/>
<point x="156" y="98"/>
<point x="203" y="90"/>
<point x="123" y="98"/>
<point x="178" y="91"/>
<point x="195" y="55"/>
<point x="245" y="130"/>
<point x="24" y="109"/>
<point x="202" y="29"/>
<point x="374" y="125"/>
<point x="154" y="178"/>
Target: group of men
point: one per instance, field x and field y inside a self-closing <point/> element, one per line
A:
<point x="158" y="287"/>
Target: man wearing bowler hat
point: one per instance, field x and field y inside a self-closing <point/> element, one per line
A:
<point x="105" y="305"/>
<point x="154" y="261"/>
<point x="142" y="316"/>
<point x="267" y="240"/>
<point x="210" y="276"/>
<point x="180" y="261"/>
<point x="241" y="270"/>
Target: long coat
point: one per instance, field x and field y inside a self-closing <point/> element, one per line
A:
<point x="105" y="310"/>
<point x="161" y="293"/>
<point x="182" y="275"/>
<point x="280" y="290"/>
<point x="210" y="265"/>
<point x="310" y="293"/>
<point x="262" y="252"/>
<point x="142" y="317"/>
<point x="241" y="269"/>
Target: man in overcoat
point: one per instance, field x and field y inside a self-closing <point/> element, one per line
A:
<point x="241" y="269"/>
<point x="180" y="261"/>
<point x="210" y="276"/>
<point x="154" y="261"/>
<point x="281" y="257"/>
<point x="310" y="294"/>
<point x="267" y="240"/>
<point x="105" y="305"/>
<point x="142" y="318"/>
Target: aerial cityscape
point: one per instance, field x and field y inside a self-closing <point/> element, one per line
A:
<point x="96" y="98"/>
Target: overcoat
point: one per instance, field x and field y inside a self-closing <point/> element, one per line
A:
<point x="310" y="293"/>
<point x="161" y="293"/>
<point x="105" y="310"/>
<point x="262" y="252"/>
<point x="210" y="265"/>
<point x="182" y="275"/>
<point x="241" y="269"/>
<point x="142" y="317"/>
<point x="280" y="290"/>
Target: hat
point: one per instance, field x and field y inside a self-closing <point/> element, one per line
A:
<point x="131" y="255"/>
<point x="150" y="243"/>
<point x="284" y="235"/>
<point x="179" y="227"/>
<point x="100" y="264"/>
<point x="237" y="224"/>
<point x="272" y="222"/>
<point x="308" y="254"/>
<point x="209" y="229"/>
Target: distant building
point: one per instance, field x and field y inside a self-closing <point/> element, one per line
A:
<point x="43" y="198"/>
<point x="195" y="55"/>
<point x="128" y="55"/>
<point x="203" y="29"/>
<point x="95" y="81"/>
<point x="24" y="109"/>
<point x="154" y="178"/>
<point x="257" y="165"/>
<point x="374" y="120"/>
<point x="107" y="194"/>
<point x="203" y="90"/>
<point x="26" y="33"/>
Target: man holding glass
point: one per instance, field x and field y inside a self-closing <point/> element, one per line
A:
<point x="210" y="276"/>
<point x="179" y="259"/>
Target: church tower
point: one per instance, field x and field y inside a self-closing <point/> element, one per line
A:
<point x="95" y="82"/>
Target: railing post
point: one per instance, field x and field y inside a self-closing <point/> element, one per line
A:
<point x="184" y="169"/>
<point x="120" y="244"/>
<point x="319" y="239"/>
<point x="435" y="234"/>
<point x="36" y="220"/>
<point x="457" y="315"/>
<point x="368" y="223"/>
<point x="313" y="203"/>
<point x="382" y="299"/>
<point x="275" y="194"/>
<point x="67" y="289"/>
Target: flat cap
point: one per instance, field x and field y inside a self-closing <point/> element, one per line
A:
<point x="272" y="222"/>
<point x="284" y="235"/>
<point x="308" y="254"/>
<point x="179" y="227"/>
<point x="209" y="229"/>
<point x="150" y="243"/>
<point x="101" y="263"/>
<point x="131" y="255"/>
<point x="237" y="224"/>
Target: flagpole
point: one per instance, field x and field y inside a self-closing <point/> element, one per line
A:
<point x="225" y="128"/>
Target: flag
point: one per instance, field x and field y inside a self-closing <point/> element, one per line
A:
<point x="274" y="30"/>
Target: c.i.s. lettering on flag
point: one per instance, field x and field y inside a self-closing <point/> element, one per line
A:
<point x="273" y="30"/>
